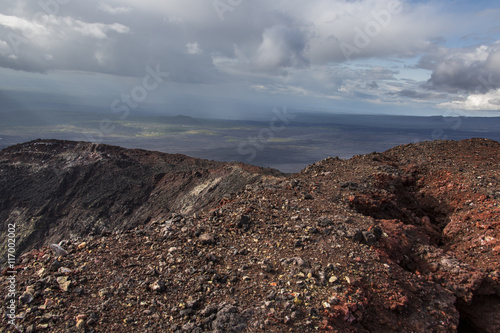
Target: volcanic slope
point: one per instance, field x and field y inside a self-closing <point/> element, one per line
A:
<point x="401" y="241"/>
<point x="54" y="190"/>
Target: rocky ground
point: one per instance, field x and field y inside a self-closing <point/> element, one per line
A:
<point x="402" y="241"/>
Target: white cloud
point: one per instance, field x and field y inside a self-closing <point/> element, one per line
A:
<point x="114" y="10"/>
<point x="476" y="102"/>
<point x="173" y="19"/>
<point x="5" y="48"/>
<point x="281" y="47"/>
<point x="193" y="48"/>
<point x="97" y="30"/>
<point x="25" y="27"/>
<point x="100" y="57"/>
<point x="53" y="24"/>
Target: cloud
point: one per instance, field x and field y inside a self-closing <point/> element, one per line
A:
<point x="5" y="48"/>
<point x="29" y="31"/>
<point x="322" y="32"/>
<point x="25" y="27"/>
<point x="281" y="46"/>
<point x="372" y="85"/>
<point x="96" y="30"/>
<point x="470" y="76"/>
<point x="344" y="31"/>
<point x="419" y="95"/>
<point x="114" y="10"/>
<point x="489" y="101"/>
<point x="270" y="36"/>
<point x="193" y="48"/>
<point x="469" y="70"/>
<point x="333" y="82"/>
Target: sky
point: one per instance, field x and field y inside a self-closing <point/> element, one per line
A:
<point x="237" y="59"/>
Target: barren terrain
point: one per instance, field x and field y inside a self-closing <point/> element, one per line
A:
<point x="401" y="241"/>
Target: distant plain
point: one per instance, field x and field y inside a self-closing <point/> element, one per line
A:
<point x="289" y="145"/>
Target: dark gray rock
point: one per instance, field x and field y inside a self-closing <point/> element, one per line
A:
<point x="230" y="320"/>
<point x="244" y="222"/>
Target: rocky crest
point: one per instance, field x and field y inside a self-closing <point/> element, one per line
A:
<point x="55" y="190"/>
<point x="402" y="241"/>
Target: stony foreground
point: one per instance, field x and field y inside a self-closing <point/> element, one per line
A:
<point x="402" y="241"/>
